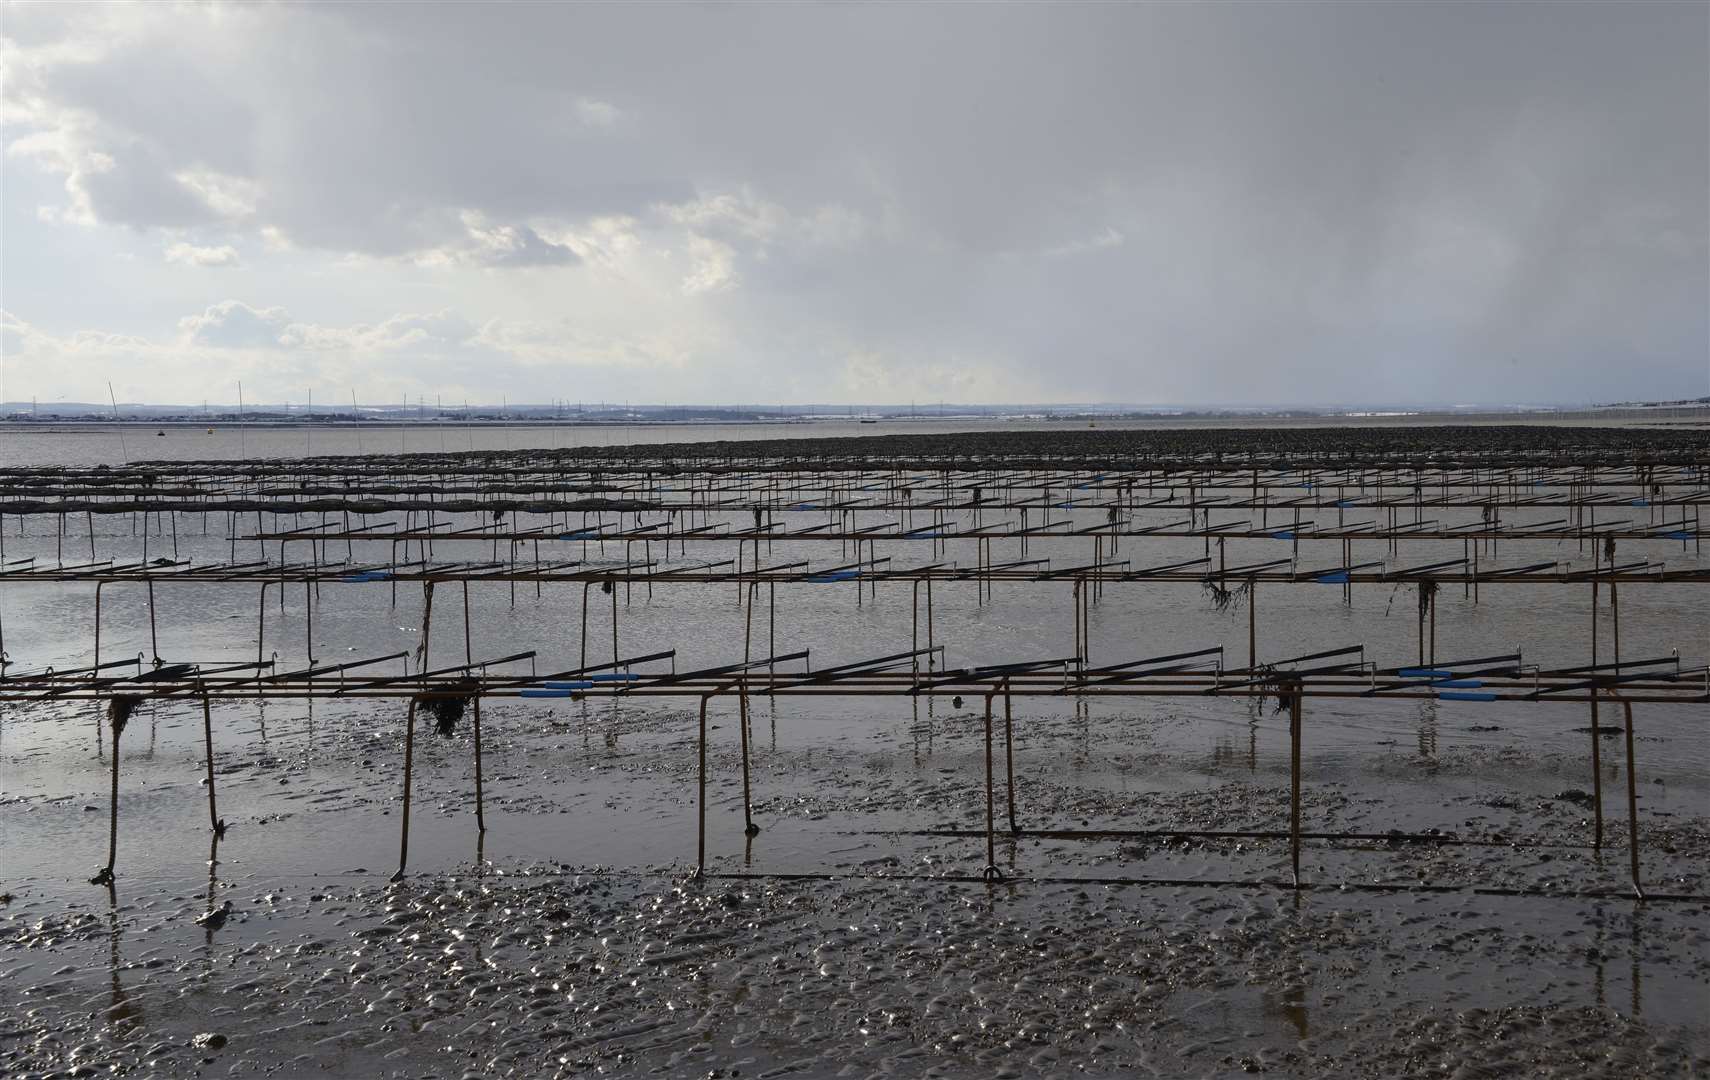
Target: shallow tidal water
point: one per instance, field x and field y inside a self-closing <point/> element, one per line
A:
<point x="851" y="936"/>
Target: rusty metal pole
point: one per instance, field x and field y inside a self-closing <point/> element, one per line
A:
<point x="1433" y="653"/>
<point x="585" y="586"/>
<point x="991" y="872"/>
<point x="1615" y="622"/>
<point x="409" y="759"/>
<point x="1252" y="624"/>
<point x="1075" y="602"/>
<point x="468" y="643"/>
<point x="105" y="877"/>
<point x="480" y="800"/>
<point x="214" y="821"/>
<point x="153" y="636"/>
<point x="1596" y="748"/>
<point x="748" y="827"/>
<point x="701" y="842"/>
<point x="1632" y="805"/>
<point x="1294" y="782"/>
<point x="1419" y="621"/>
<point x="1009" y="756"/>
<point x="914" y="630"/>
<point x="748" y="625"/>
<point x="260" y="626"/>
<point x="931" y="649"/>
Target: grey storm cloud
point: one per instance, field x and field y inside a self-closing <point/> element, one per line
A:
<point x="1135" y="202"/>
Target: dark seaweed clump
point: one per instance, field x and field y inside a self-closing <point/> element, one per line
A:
<point x="446" y="707"/>
<point x="119" y="710"/>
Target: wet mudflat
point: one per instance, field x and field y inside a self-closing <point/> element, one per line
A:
<point x="602" y="957"/>
<point x="1472" y="930"/>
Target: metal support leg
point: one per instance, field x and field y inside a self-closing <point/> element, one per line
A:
<point x="748" y="827"/>
<point x="1009" y="756"/>
<point x="480" y="816"/>
<point x="105" y="877"/>
<point x="1596" y="742"/>
<point x="701" y="835"/>
<point x="1252" y="624"/>
<point x="585" y="586"/>
<point x="214" y="821"/>
<point x="991" y="872"/>
<point x="1632" y="805"/>
<point x="409" y="760"/>
<point x="468" y="642"/>
<point x="1294" y="784"/>
<point x="153" y="636"/>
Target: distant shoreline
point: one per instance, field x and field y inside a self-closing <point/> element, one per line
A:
<point x="1670" y="416"/>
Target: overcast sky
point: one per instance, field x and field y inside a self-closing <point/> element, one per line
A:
<point x="1242" y="203"/>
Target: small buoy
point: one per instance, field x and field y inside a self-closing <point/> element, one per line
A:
<point x="210" y="431"/>
<point x="160" y="434"/>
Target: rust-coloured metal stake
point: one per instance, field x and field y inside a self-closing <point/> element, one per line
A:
<point x="585" y="586"/>
<point x="1252" y="624"/>
<point x="214" y="821"/>
<point x="748" y="625"/>
<point x="261" y="625"/>
<point x="409" y="759"/>
<point x="701" y="841"/>
<point x="749" y="829"/>
<point x="1596" y="740"/>
<point x="1433" y="655"/>
<point x="1294" y="783"/>
<point x="1009" y="756"/>
<point x="105" y="877"/>
<point x="468" y="643"/>
<point x="480" y="816"/>
<point x="991" y="872"/>
<point x="153" y="636"/>
<point x="1632" y="805"/>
